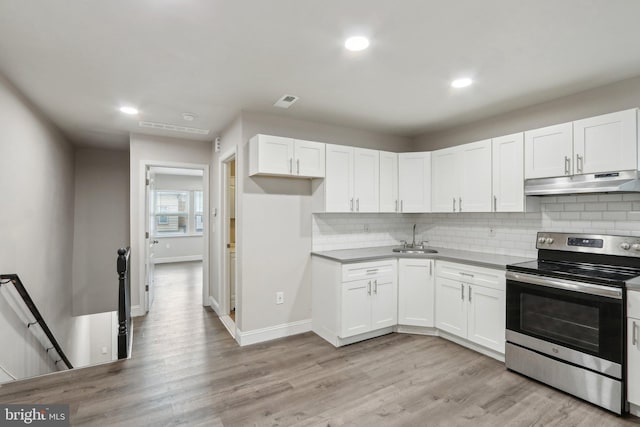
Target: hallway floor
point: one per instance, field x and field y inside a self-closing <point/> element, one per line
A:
<point x="187" y="370"/>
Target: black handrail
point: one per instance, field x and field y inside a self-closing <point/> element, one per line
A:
<point x="124" y="302"/>
<point x="17" y="283"/>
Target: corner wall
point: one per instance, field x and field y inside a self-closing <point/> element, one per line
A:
<point x="36" y="227"/>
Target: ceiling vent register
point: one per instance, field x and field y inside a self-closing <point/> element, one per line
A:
<point x="286" y="101"/>
<point x="173" y="128"/>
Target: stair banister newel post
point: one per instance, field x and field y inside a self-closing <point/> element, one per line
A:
<point x="124" y="315"/>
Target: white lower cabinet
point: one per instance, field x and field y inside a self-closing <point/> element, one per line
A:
<point x="416" y="292"/>
<point x="353" y="302"/>
<point x="470" y="303"/>
<point x="633" y="351"/>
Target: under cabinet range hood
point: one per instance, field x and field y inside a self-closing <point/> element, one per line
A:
<point x="608" y="182"/>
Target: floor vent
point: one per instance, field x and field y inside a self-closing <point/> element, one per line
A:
<point x="173" y="128"/>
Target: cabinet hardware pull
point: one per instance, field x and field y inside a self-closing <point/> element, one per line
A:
<point x="369" y="288"/>
<point x="469" y="293"/>
<point x="401" y="206"/>
<point x="454" y="204"/>
<point x="495" y="204"/>
<point x="298" y="165"/>
<point x="396" y="205"/>
<point x="358" y="204"/>
<point x="579" y="162"/>
<point x="567" y="165"/>
<point x="460" y="204"/>
<point x="291" y="165"/>
<point x="351" y="205"/>
<point x="634" y="335"/>
<point x="372" y="271"/>
<point x="462" y="292"/>
<point x="466" y="274"/>
<point x="375" y="287"/>
<point x="430" y="268"/>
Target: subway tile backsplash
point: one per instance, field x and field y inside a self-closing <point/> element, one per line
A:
<point x="500" y="233"/>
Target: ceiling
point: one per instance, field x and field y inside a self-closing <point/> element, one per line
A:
<point x="80" y="60"/>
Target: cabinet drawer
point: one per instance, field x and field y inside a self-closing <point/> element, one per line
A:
<point x="633" y="304"/>
<point x="491" y="278"/>
<point x="363" y="270"/>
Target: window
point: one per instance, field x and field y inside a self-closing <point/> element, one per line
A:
<point x="178" y="212"/>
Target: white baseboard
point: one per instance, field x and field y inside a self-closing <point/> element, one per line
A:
<point x="273" y="332"/>
<point x="470" y="345"/>
<point x="215" y="305"/>
<point x="186" y="258"/>
<point x="137" y="311"/>
<point x="634" y="410"/>
<point x="229" y="324"/>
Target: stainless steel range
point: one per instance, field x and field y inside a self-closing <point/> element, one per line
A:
<point x="566" y="314"/>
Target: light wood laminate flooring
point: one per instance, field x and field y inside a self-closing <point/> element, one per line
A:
<point x="187" y="370"/>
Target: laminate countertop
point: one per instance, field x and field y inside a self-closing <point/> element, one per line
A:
<point x="480" y="259"/>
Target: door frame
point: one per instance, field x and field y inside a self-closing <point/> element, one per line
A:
<point x="141" y="241"/>
<point x="223" y="253"/>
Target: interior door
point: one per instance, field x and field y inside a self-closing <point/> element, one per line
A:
<point x="150" y="239"/>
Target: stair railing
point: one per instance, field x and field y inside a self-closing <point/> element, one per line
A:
<point x="19" y="299"/>
<point x="124" y="303"/>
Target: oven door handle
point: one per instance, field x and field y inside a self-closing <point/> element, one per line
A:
<point x="568" y="285"/>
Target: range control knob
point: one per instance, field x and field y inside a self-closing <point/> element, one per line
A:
<point x="625" y="246"/>
<point x="549" y="240"/>
<point x="541" y="240"/>
<point x="636" y="246"/>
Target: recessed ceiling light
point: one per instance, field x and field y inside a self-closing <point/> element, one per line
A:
<point x="356" y="43"/>
<point x="461" y="82"/>
<point x="129" y="110"/>
<point x="189" y="117"/>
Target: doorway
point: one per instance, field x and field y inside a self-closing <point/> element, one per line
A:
<point x="176" y="224"/>
<point x="229" y="301"/>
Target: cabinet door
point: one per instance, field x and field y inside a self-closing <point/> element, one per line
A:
<point x="271" y="155"/>
<point x="476" y="177"/>
<point x="355" y="308"/>
<point x="416" y="292"/>
<point x="338" y="180"/>
<point x="451" y="307"/>
<point x="633" y="360"/>
<point x="384" y="303"/>
<point x="486" y="317"/>
<point x="508" y="173"/>
<point x="389" y="182"/>
<point x="309" y="158"/>
<point x="447" y="180"/>
<point x="414" y="182"/>
<point x="548" y="151"/>
<point x="606" y="143"/>
<point x="366" y="180"/>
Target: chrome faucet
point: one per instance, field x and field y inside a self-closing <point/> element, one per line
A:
<point x="413" y="242"/>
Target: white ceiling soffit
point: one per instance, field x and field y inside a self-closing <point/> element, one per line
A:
<point x="79" y="61"/>
<point x="175" y="171"/>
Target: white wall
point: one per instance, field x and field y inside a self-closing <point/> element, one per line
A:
<point x="274" y="220"/>
<point x="101" y="227"/>
<point x="36" y="224"/>
<point x="605" y="99"/>
<point x="162" y="150"/>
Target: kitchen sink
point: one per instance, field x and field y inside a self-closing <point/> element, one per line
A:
<point x="415" y="250"/>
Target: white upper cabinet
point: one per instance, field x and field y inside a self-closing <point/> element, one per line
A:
<point x="508" y="173"/>
<point x="606" y="143"/>
<point x="548" y="151"/>
<point x="462" y="178"/>
<point x="446" y="179"/>
<point x="279" y="156"/>
<point x="389" y="182"/>
<point x="351" y="181"/>
<point x="366" y="180"/>
<point x="414" y="182"/>
<point x="338" y="183"/>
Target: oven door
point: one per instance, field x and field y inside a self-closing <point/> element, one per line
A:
<point x="581" y="323"/>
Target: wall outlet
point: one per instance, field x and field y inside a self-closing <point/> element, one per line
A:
<point x="279" y="297"/>
<point x="492" y="232"/>
<point x="104" y="350"/>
